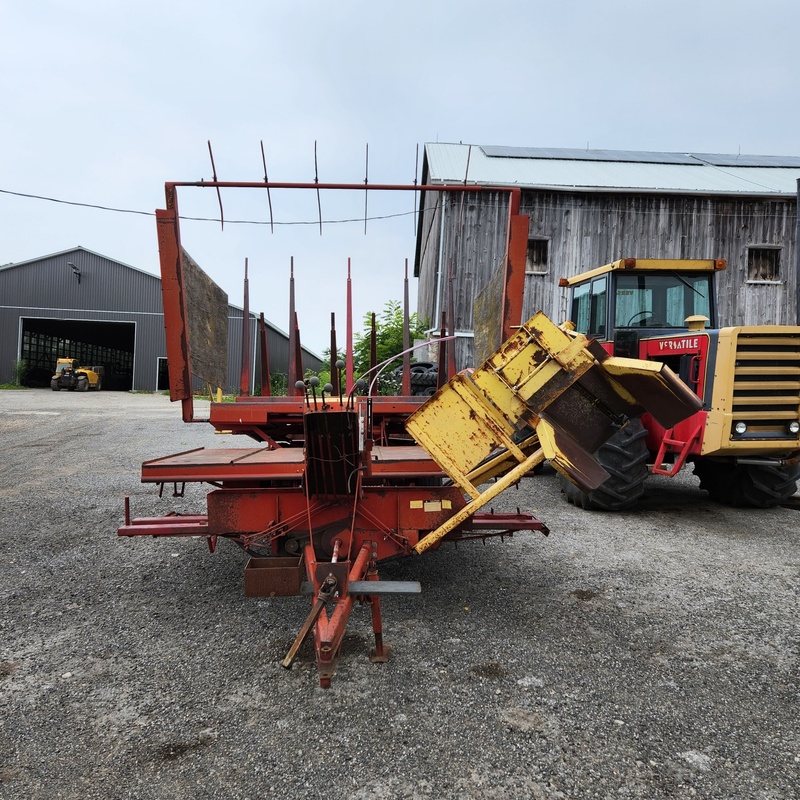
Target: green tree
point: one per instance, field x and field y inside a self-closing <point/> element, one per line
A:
<point x="388" y="335"/>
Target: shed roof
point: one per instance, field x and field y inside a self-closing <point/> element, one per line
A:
<point x="79" y="248"/>
<point x="559" y="169"/>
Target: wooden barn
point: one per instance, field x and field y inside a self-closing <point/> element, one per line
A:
<point x="587" y="208"/>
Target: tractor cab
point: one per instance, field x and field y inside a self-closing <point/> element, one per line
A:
<point x="66" y="364"/>
<point x="623" y="302"/>
<point x="745" y="441"/>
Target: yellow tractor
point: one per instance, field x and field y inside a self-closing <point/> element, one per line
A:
<point x="744" y="440"/>
<point x="69" y="375"/>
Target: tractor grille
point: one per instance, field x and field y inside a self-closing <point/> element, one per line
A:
<point x="766" y="388"/>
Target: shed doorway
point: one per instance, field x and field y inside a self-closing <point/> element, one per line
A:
<point x="107" y="344"/>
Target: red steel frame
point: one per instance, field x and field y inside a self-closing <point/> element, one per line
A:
<point x="169" y="245"/>
<point x="374" y="502"/>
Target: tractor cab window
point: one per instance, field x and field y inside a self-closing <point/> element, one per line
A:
<point x="589" y="307"/>
<point x="660" y="300"/>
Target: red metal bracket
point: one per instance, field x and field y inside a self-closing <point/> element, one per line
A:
<point x="672" y="445"/>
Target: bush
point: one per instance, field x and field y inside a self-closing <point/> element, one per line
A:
<point x="20" y="370"/>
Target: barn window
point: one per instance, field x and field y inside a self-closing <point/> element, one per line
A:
<point x="536" y="260"/>
<point x="763" y="264"/>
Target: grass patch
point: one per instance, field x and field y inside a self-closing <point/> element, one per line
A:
<point x="12" y="386"/>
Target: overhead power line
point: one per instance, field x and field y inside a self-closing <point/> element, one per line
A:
<point x="542" y="208"/>
<point x="199" y="219"/>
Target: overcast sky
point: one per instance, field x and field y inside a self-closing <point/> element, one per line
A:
<point x="102" y="102"/>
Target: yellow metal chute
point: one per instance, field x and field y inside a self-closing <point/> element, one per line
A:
<point x="546" y="393"/>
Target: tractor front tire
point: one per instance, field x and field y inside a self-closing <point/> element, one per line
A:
<point x="747" y="485"/>
<point x="624" y="456"/>
<point x="83" y="384"/>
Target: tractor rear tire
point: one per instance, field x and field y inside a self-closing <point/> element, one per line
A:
<point x="83" y="384"/>
<point x="427" y="377"/>
<point x="747" y="485"/>
<point x="624" y="456"/>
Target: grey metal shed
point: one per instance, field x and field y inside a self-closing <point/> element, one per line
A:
<point x="80" y="304"/>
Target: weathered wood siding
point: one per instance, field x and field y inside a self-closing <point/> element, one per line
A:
<point x="586" y="230"/>
<point x="466" y="238"/>
<point x="427" y="262"/>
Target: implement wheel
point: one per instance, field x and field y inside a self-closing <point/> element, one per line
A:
<point x="746" y="485"/>
<point x="624" y="456"/>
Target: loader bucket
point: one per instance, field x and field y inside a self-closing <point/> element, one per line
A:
<point x="545" y="393"/>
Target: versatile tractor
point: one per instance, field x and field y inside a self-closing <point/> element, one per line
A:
<point x="744" y="442"/>
<point x="342" y="479"/>
<point x="69" y="375"/>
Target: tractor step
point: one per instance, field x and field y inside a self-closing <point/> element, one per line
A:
<point x="372" y="587"/>
<point x="669" y="444"/>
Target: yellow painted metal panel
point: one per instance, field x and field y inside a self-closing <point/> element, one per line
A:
<point x="477" y="503"/>
<point x="656" y="387"/>
<point x="459" y="428"/>
<point x="755" y="382"/>
<point x="680" y="265"/>
<point x="520" y="405"/>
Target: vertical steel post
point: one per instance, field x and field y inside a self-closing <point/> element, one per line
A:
<point x="373" y="353"/>
<point x="516" y="255"/>
<point x="451" y="320"/>
<point x="406" y="384"/>
<point x="174" y="298"/>
<point x="334" y="357"/>
<point x="348" y="386"/>
<point x="244" y="382"/>
<point x="291" y="368"/>
<point x="266" y="378"/>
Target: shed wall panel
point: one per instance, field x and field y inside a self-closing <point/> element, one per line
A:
<point x="586" y="230"/>
<point x="109" y="291"/>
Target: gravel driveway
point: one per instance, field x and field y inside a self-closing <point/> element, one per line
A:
<point x="649" y="654"/>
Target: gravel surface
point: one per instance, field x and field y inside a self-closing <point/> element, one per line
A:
<point x="649" y="654"/>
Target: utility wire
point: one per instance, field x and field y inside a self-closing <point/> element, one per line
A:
<point x="536" y="209"/>
<point x="199" y="219"/>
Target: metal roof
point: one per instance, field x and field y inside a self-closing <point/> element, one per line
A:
<point x="612" y="170"/>
<point x="77" y="248"/>
<point x="106" y="287"/>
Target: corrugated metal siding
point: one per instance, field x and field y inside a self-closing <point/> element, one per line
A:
<point x="277" y="346"/>
<point x="149" y="336"/>
<point x="111" y="292"/>
<point x="105" y="285"/>
<point x="447" y="163"/>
